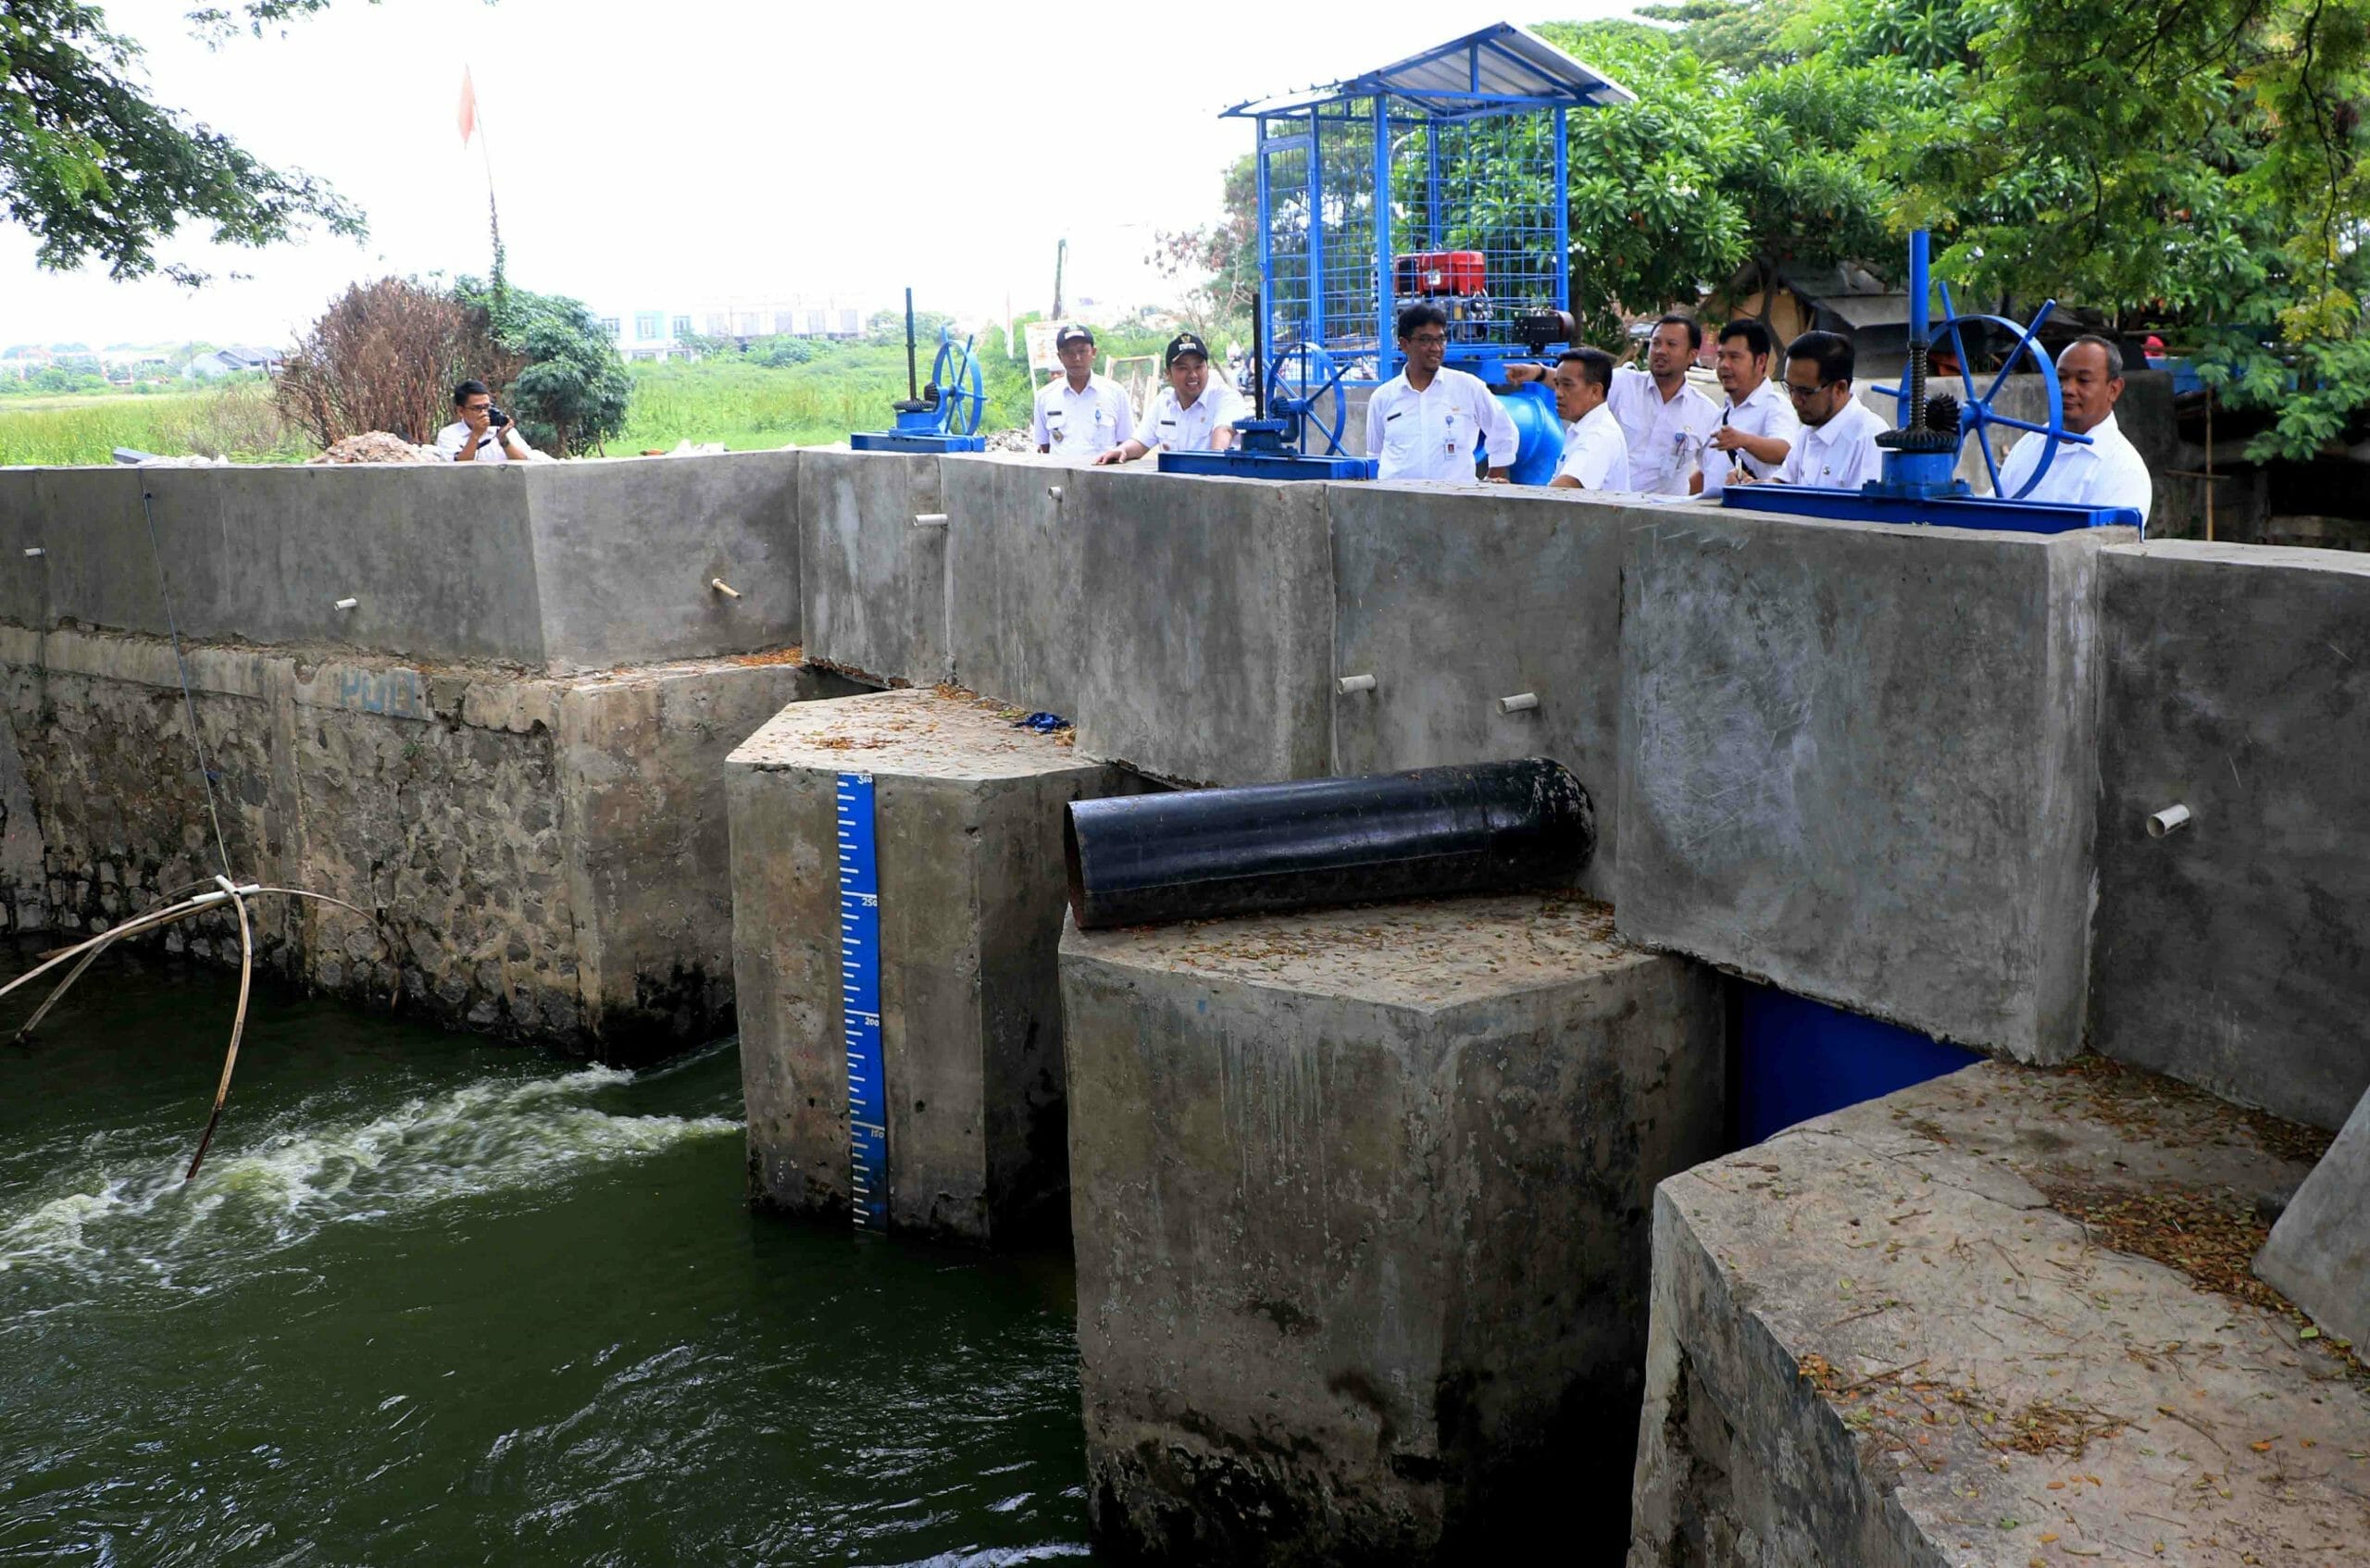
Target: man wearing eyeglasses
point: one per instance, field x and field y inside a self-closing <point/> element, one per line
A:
<point x="1838" y="447"/>
<point x="1667" y="420"/>
<point x="1757" y="429"/>
<point x="1424" y="423"/>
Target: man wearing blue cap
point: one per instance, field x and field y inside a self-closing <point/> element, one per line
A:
<point x="1190" y="415"/>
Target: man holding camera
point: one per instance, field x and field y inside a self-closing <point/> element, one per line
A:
<point x="482" y="433"/>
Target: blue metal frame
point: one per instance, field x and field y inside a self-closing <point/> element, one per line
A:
<point x="1380" y="103"/>
<point x="860" y="1000"/>
<point x="1942" y="512"/>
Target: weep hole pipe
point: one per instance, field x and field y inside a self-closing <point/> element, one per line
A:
<point x="1143" y="860"/>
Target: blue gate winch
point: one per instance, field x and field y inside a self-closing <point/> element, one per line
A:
<point x="1920" y="482"/>
<point x="942" y="416"/>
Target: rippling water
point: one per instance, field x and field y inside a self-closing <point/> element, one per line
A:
<point x="433" y="1301"/>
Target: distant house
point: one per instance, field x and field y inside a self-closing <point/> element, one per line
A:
<point x="233" y="361"/>
<point x="673" y="334"/>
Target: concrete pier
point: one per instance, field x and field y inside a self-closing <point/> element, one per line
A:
<point x="1359" y="1202"/>
<point x="968" y="816"/>
<point x="1999" y="1318"/>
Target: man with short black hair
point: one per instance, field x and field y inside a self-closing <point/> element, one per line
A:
<point x="1191" y="414"/>
<point x="482" y="433"/>
<point x="1424" y="423"/>
<point x="1667" y="420"/>
<point x="2109" y="471"/>
<point x="1596" y="452"/>
<point x="1838" y="449"/>
<point x="1081" y="414"/>
<point x="1757" y="429"/>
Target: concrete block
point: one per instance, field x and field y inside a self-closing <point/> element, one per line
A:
<point x="872" y="584"/>
<point x="1359" y="1202"/>
<point x="967" y="812"/>
<point x="1209" y="626"/>
<point x="1934" y="1329"/>
<point x="1016" y="618"/>
<point x="24" y="580"/>
<point x="2319" y="1252"/>
<point x="625" y="553"/>
<point x="1453" y="602"/>
<point x="1857" y="762"/>
<point x="2233" y="953"/>
<point x="640" y="786"/>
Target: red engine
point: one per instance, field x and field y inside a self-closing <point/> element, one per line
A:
<point x="1439" y="274"/>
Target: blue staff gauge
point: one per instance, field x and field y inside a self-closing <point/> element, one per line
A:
<point x="860" y="1002"/>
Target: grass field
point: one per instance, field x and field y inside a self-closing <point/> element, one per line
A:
<point x="236" y="421"/>
<point x="742" y="405"/>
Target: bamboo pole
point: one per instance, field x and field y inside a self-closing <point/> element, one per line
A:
<point x="238" y="1028"/>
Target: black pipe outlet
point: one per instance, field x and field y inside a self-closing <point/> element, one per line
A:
<point x="1195" y="854"/>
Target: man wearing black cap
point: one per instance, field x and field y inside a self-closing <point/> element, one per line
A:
<point x="1082" y="415"/>
<point x="1190" y="415"/>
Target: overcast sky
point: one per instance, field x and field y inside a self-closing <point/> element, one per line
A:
<point x="668" y="155"/>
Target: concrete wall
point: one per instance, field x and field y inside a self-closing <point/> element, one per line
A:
<point x="2236" y="952"/>
<point x="557" y="567"/>
<point x="1409" y="571"/>
<point x="1859" y="762"/>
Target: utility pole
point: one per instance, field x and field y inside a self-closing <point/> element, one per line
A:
<point x="1061" y="254"/>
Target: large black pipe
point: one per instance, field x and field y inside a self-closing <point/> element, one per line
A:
<point x="1144" y="859"/>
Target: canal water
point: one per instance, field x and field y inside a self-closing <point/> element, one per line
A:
<point x="433" y="1301"/>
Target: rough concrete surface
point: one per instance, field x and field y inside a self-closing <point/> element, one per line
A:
<point x="627" y="551"/>
<point x="549" y="853"/>
<point x="2235" y="952"/>
<point x="1209" y="626"/>
<point x="967" y="811"/>
<point x="1904" y="1334"/>
<point x="1015" y="617"/>
<point x="1359" y="1202"/>
<point x="2319" y="1252"/>
<point x="551" y="566"/>
<point x="872" y="582"/>
<point x="1408" y="573"/>
<point x="1857" y="761"/>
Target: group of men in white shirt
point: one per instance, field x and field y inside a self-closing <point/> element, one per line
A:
<point x="1625" y="429"/>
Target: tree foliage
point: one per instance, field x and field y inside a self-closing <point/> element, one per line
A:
<point x="566" y="386"/>
<point x="385" y="356"/>
<point x="98" y="173"/>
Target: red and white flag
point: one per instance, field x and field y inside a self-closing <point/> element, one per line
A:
<point x="468" y="107"/>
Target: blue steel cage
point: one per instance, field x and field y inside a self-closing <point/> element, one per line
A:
<point x="1467" y="144"/>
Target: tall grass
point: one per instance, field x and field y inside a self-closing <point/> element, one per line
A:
<point x="736" y="403"/>
<point x="236" y="421"/>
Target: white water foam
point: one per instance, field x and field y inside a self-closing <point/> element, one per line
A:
<point x="289" y="1181"/>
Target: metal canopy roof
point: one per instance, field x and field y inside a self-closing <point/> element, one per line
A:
<point x="1497" y="69"/>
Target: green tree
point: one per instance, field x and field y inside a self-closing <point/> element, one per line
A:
<point x="99" y="173"/>
<point x="2196" y="163"/>
<point x="889" y="326"/>
<point x="570" y="394"/>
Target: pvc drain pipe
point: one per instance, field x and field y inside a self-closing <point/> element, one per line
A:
<point x="2172" y="819"/>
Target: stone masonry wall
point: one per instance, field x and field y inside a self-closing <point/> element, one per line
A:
<point x="505" y="825"/>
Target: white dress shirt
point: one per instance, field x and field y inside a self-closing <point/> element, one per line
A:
<point x="1841" y="454"/>
<point x="1430" y="434"/>
<point x="1596" y="451"/>
<point x="492" y="446"/>
<point x="1175" y="428"/>
<point x="1082" y="424"/>
<point x="2108" y="472"/>
<point x="1666" y="435"/>
<point x="1766" y="411"/>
